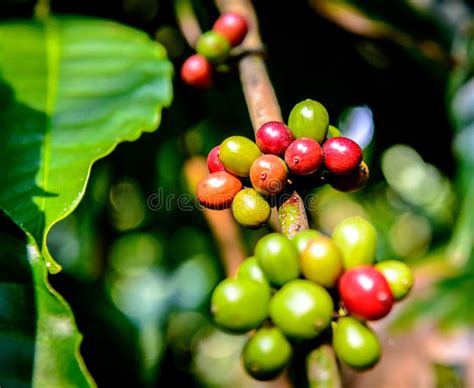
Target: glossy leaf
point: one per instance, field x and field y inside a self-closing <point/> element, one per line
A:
<point x="71" y="89"/>
<point x="38" y="335"/>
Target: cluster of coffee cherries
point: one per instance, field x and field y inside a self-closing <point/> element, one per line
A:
<point x="249" y="176"/>
<point x="213" y="48"/>
<point x="308" y="287"/>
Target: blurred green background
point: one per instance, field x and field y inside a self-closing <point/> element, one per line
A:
<point x="396" y="76"/>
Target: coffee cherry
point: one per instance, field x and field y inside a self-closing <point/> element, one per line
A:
<point x="309" y="118"/>
<point x="365" y="292"/>
<point x="274" y="138"/>
<point x="197" y="71"/>
<point x="269" y="174"/>
<point x="333" y="132"/>
<point x="232" y="26"/>
<point x="321" y="262"/>
<point x="217" y="190"/>
<point x="239" y="305"/>
<point x="353" y="182"/>
<point x="250" y="269"/>
<point x="213" y="46"/>
<point x="237" y="153"/>
<point x="357" y="240"/>
<point x="214" y="164"/>
<point x="266" y="354"/>
<point x="398" y="275"/>
<point x="278" y="258"/>
<point x="250" y="209"/>
<point x="341" y="155"/>
<point x="303" y="238"/>
<point x="301" y="309"/>
<point x="304" y="156"/>
<point x="355" y="344"/>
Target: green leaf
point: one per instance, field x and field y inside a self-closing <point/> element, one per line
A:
<point x="39" y="338"/>
<point x="71" y="89"/>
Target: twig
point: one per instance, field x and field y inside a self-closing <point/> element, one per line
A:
<point x="262" y="102"/>
<point x="188" y="24"/>
<point x="263" y="106"/>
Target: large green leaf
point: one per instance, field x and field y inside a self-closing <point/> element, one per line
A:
<point x="38" y="336"/>
<point x="71" y="89"/>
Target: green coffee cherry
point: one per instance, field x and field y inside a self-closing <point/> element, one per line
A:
<point x="321" y="262"/>
<point x="398" y="275"/>
<point x="239" y="305"/>
<point x="266" y="354"/>
<point x="237" y="153"/>
<point x="357" y="240"/>
<point x="250" y="209"/>
<point x="355" y="344"/>
<point x="302" y="238"/>
<point x="278" y="258"/>
<point x="213" y="46"/>
<point x="309" y="118"/>
<point x="333" y="132"/>
<point x="301" y="309"/>
<point x="250" y="269"/>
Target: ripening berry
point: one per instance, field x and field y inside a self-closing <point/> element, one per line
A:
<point x="233" y="26"/>
<point x="213" y="46"/>
<point x="268" y="174"/>
<point x="214" y="164"/>
<point x="197" y="71"/>
<point x="304" y="156"/>
<point x="217" y="190"/>
<point x="365" y="293"/>
<point x="274" y="138"/>
<point x="341" y="155"/>
<point x="353" y="182"/>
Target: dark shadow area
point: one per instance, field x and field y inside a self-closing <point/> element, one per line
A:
<point x="17" y="308"/>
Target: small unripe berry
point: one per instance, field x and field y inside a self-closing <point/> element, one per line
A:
<point x="356" y="344"/>
<point x="214" y="164"/>
<point x="213" y="46"/>
<point x="278" y="258"/>
<point x="268" y="174"/>
<point x="341" y="155"/>
<point x="250" y="209"/>
<point x="197" y="71"/>
<point x="233" y="26"/>
<point x="217" y="190"/>
<point x="309" y="118"/>
<point x="266" y="353"/>
<point x="321" y="262"/>
<point x="365" y="293"/>
<point x="357" y="239"/>
<point x="237" y="153"/>
<point x="239" y="305"/>
<point x="274" y="138"/>
<point x="301" y="309"/>
<point x="304" y="156"/>
<point x="398" y="275"/>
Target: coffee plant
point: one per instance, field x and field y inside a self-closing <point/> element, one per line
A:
<point x="245" y="240"/>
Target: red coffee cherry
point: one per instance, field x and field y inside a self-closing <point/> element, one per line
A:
<point x="268" y="174"/>
<point x="365" y="293"/>
<point x="217" y="190"/>
<point x="341" y="155"/>
<point x="233" y="26"/>
<point x="304" y="156"/>
<point x="274" y="138"/>
<point x="214" y="164"/>
<point x="353" y="182"/>
<point x="197" y="71"/>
